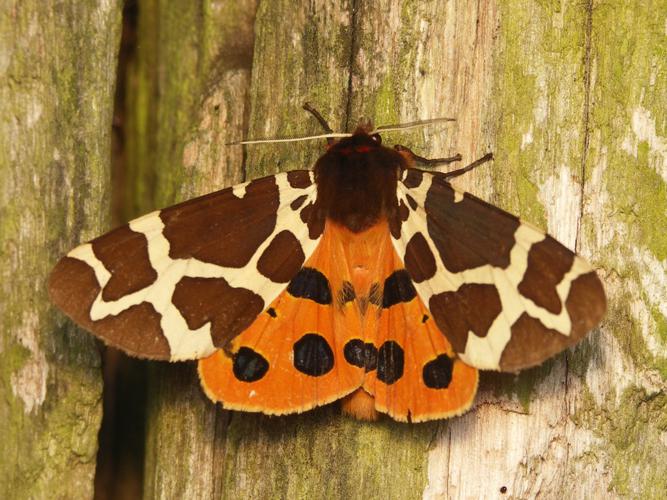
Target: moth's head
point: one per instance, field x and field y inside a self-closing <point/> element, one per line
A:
<point x="358" y="143"/>
<point x="363" y="140"/>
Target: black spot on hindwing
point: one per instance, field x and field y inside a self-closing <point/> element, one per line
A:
<point x="390" y="362"/>
<point x="437" y="373"/>
<point x="249" y="365"/>
<point x="311" y="284"/>
<point x="363" y="355"/>
<point x="354" y="352"/>
<point x="313" y="355"/>
<point x="398" y="288"/>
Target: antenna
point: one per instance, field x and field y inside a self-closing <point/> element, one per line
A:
<point x="404" y="126"/>
<point x="329" y="135"/>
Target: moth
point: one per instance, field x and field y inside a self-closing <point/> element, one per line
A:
<point x="364" y="278"/>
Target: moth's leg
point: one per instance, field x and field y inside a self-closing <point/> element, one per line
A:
<point x="320" y="118"/>
<point x="468" y="168"/>
<point x="425" y="162"/>
<point x="433" y="162"/>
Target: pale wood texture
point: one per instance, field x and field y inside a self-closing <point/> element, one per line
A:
<point x="57" y="76"/>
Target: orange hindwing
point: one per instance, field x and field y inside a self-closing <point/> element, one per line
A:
<point x="349" y="321"/>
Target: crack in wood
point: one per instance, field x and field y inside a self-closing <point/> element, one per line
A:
<point x="354" y="47"/>
<point x="586" y="116"/>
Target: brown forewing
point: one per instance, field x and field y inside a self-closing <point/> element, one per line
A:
<point x="467" y="233"/>
<point x="207" y="228"/>
<point x="225" y="228"/>
<point x="73" y="288"/>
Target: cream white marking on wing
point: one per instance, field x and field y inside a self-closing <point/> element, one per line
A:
<point x="239" y="190"/>
<point x="151" y="226"/>
<point x="513" y="304"/>
<point x="85" y="253"/>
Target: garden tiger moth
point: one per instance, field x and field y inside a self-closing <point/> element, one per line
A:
<point x="364" y="279"/>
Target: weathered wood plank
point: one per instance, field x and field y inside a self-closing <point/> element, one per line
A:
<point x="320" y="454"/>
<point x="57" y="76"/>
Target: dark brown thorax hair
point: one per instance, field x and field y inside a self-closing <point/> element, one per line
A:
<point x="356" y="181"/>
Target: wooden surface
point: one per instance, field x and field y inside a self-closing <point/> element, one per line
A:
<point x="570" y="96"/>
<point x="57" y="77"/>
